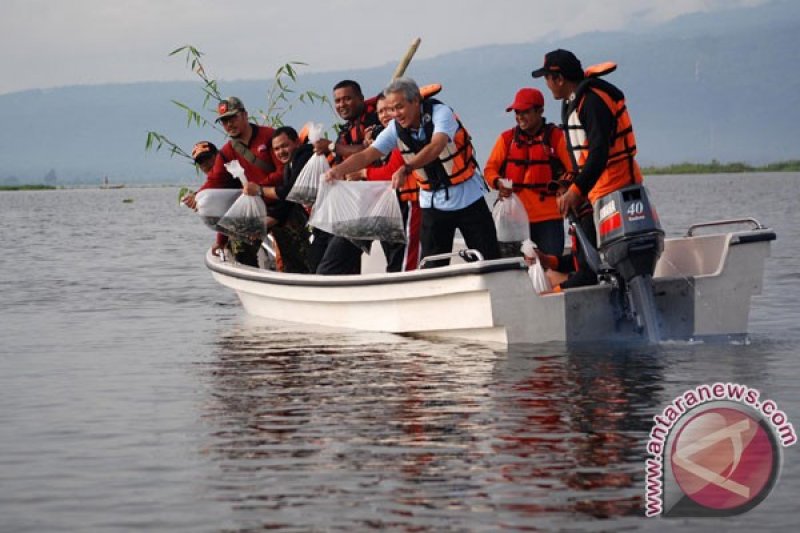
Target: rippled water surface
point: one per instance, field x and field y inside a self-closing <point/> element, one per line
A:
<point x="135" y="395"/>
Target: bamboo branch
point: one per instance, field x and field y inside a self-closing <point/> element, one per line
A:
<point x="403" y="65"/>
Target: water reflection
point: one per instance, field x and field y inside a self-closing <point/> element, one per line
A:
<point x="374" y="431"/>
<point x="578" y="421"/>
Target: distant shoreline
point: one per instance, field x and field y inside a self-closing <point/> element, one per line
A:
<point x="715" y="167"/>
<point x="27" y="187"/>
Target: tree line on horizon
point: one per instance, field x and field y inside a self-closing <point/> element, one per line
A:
<point x="715" y="167"/>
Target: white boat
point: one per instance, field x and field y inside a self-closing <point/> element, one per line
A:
<point x="702" y="287"/>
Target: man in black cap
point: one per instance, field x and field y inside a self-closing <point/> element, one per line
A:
<point x="204" y="153"/>
<point x="599" y="136"/>
<point x="601" y="147"/>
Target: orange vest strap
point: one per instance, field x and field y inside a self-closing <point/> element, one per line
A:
<point x="303" y="135"/>
<point x="429" y="90"/>
<point x="600" y="69"/>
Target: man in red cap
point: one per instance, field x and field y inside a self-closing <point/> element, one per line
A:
<point x="533" y="156"/>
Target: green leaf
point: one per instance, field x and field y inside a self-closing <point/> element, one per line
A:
<point x="178" y="50"/>
<point x="182" y="193"/>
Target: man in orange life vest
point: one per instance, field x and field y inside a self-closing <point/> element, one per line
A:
<point x="533" y="155"/>
<point x="600" y="143"/>
<point x="600" y="137"/>
<point x="435" y="145"/>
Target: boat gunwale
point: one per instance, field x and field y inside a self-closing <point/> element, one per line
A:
<point x="748" y="237"/>
<point x="247" y="273"/>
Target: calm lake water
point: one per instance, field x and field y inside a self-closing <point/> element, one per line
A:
<point x="135" y="394"/>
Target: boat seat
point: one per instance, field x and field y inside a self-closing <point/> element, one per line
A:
<point x="692" y="256"/>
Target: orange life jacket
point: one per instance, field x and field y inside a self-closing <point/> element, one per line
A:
<point x="621" y="167"/>
<point x="409" y="189"/>
<point x="531" y="161"/>
<point x="456" y="164"/>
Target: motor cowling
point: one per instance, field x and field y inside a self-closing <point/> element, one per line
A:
<point x="629" y="234"/>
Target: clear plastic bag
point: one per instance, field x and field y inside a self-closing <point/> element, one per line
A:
<point x="247" y="217"/>
<point x="510" y="219"/>
<point x="306" y="186"/>
<point x="315" y="131"/>
<point x="359" y="210"/>
<point x="212" y="204"/>
<point x="539" y="278"/>
<point x="540" y="281"/>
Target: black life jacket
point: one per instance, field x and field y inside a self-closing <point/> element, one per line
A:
<point x="456" y="164"/>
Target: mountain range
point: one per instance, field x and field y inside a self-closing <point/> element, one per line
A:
<point x="723" y="85"/>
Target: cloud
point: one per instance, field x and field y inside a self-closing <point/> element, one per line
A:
<point x="51" y="43"/>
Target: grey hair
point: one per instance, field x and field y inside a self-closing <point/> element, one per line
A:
<point x="406" y="86"/>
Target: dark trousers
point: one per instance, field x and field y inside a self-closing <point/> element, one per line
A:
<point x="582" y="275"/>
<point x="395" y="251"/>
<point x="245" y="252"/>
<point x="342" y="256"/>
<point x="548" y="236"/>
<point x="319" y="243"/>
<point x="474" y="222"/>
<point x="291" y="236"/>
<point x="394" y="255"/>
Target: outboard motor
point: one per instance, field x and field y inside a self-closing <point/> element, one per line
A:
<point x="631" y="240"/>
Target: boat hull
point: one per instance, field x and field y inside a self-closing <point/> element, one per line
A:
<point x="703" y="288"/>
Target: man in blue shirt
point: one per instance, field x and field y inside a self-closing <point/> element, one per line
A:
<point x="435" y="145"/>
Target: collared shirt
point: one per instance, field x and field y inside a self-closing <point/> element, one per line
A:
<point x="454" y="197"/>
<point x="260" y="144"/>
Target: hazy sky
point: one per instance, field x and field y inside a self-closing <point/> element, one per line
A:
<point x="50" y="43"/>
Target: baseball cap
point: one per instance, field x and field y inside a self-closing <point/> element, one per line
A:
<point x="203" y="150"/>
<point x="229" y="107"/>
<point x="526" y="98"/>
<point x="561" y="62"/>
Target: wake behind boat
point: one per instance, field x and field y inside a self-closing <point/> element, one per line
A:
<point x="702" y="290"/>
